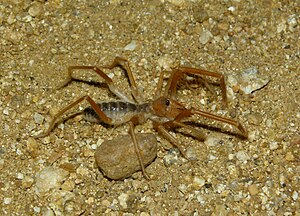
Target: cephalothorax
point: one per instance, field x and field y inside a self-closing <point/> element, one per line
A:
<point x="164" y="111"/>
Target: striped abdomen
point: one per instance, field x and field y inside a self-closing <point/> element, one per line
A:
<point x="120" y="112"/>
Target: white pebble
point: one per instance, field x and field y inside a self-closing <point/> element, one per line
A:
<point x="232" y="8"/>
<point x="6" y="111"/>
<point x="182" y="188"/>
<point x="7" y="200"/>
<point x="38" y="118"/>
<point x="165" y="62"/>
<point x="131" y="46"/>
<point x="211" y="157"/>
<point x="221" y="188"/>
<point x="200" y="199"/>
<point x="198" y="182"/>
<point x="230" y="156"/>
<point x="27" y="18"/>
<point x="205" y="36"/>
<point x="269" y="123"/>
<point x="20" y="176"/>
<point x="36" y="209"/>
<point x="295" y="196"/>
<point x="202" y="101"/>
<point x="191" y="153"/>
<point x="111" y="75"/>
<point x="82" y="170"/>
<point x="35" y="9"/>
<point x="273" y="145"/>
<point x="292" y="21"/>
<point x="123" y="200"/>
<point x="49" y="178"/>
<point x="253" y="135"/>
<point x="251" y="80"/>
<point x="94" y="146"/>
<point x="100" y="141"/>
<point x="242" y="156"/>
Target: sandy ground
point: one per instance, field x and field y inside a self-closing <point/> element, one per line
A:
<point x="57" y="175"/>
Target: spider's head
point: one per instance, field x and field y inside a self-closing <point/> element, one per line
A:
<point x="166" y="107"/>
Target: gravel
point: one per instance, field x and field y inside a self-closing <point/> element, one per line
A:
<point x="255" y="44"/>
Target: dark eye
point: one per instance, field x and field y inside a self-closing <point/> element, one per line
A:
<point x="167" y="102"/>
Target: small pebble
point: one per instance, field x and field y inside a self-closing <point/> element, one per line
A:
<point x="20" y="176"/>
<point x="38" y="118"/>
<point x="36" y="209"/>
<point x="11" y="19"/>
<point x="199" y="14"/>
<point x="5" y="111"/>
<point x="273" y="146"/>
<point x="253" y="190"/>
<point x="64" y="201"/>
<point x="220" y="188"/>
<point x="27" y="18"/>
<point x="172" y="157"/>
<point x="68" y="185"/>
<point x="165" y="62"/>
<point x="231" y="8"/>
<point x="36" y="9"/>
<point x="223" y="26"/>
<point x="248" y="81"/>
<point x="289" y="156"/>
<point x="242" y="156"/>
<point x="182" y="188"/>
<point x="49" y="178"/>
<point x="123" y="198"/>
<point x="198" y="182"/>
<point x="82" y="171"/>
<point x="105" y="203"/>
<point x="205" y="37"/>
<point x="269" y="123"/>
<point x="295" y="195"/>
<point x="27" y="182"/>
<point x="191" y="153"/>
<point x="131" y="46"/>
<point x="255" y="118"/>
<point x="200" y="199"/>
<point x="7" y="200"/>
<point x="32" y="147"/>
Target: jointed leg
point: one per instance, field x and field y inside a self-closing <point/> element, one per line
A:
<point x="137" y="149"/>
<point x="178" y="73"/>
<point x="123" y="63"/>
<point x="108" y="80"/>
<point x="161" y="127"/>
<point x="189" y="112"/>
<point x="232" y="122"/>
<point x="93" y="104"/>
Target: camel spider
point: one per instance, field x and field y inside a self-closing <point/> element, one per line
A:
<point x="164" y="111"/>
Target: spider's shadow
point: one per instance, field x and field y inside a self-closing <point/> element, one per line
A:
<point x="89" y="82"/>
